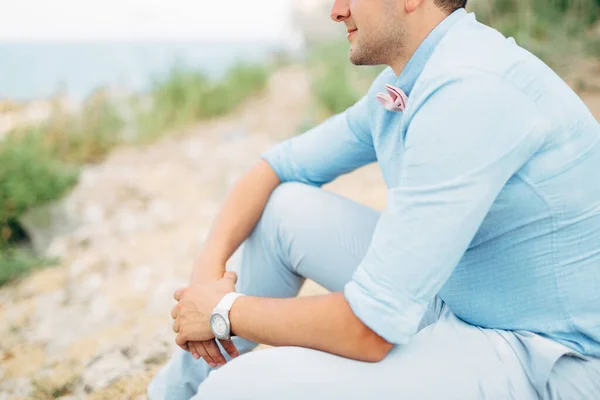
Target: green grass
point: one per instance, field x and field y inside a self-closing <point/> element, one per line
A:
<point x="187" y="96"/>
<point x="336" y="83"/>
<point x="39" y="164"/>
<point x="30" y="174"/>
<point x="16" y="262"/>
<point x="555" y="30"/>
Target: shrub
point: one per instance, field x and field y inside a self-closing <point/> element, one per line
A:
<point x="554" y="30"/>
<point x="30" y="174"/>
<point x="187" y="95"/>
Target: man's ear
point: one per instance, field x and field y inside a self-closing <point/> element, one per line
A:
<point x="412" y="5"/>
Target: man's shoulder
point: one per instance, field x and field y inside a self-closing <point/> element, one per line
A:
<point x="476" y="52"/>
<point x="471" y="44"/>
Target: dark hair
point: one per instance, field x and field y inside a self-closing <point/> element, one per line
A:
<point x="451" y="5"/>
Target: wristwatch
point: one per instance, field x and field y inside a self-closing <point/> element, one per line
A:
<point x="219" y="320"/>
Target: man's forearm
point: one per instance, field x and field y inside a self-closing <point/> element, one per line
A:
<point x="238" y="217"/>
<point x="324" y="323"/>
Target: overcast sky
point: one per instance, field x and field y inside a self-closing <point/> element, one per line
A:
<point x="143" y="19"/>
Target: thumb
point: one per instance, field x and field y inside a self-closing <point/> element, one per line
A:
<point x="232" y="276"/>
<point x="178" y="293"/>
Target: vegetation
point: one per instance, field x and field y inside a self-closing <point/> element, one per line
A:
<point x="186" y="96"/>
<point x="555" y="30"/>
<point x="40" y="164"/>
<point x="336" y="83"/>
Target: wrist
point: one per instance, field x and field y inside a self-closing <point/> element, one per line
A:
<point x="206" y="271"/>
<point x="220" y="320"/>
<point x="235" y="314"/>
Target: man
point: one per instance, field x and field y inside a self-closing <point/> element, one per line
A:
<point x="480" y="279"/>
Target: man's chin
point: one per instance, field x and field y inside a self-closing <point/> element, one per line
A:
<point x="363" y="59"/>
<point x="357" y="59"/>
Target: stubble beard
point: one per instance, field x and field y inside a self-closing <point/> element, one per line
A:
<point x="379" y="49"/>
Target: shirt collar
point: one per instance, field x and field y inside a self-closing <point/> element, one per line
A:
<point x="416" y="64"/>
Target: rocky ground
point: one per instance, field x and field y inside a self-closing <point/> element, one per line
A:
<point x="98" y="326"/>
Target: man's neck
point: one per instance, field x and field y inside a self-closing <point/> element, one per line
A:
<point x="419" y="28"/>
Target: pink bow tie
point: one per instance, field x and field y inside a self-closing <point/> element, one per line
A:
<point x="395" y="99"/>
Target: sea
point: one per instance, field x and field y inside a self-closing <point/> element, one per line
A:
<point x="31" y="71"/>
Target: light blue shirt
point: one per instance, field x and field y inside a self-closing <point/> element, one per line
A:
<point x="493" y="191"/>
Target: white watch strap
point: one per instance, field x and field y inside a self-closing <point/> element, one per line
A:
<point x="227" y="301"/>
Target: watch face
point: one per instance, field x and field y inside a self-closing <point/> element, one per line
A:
<point x="218" y="324"/>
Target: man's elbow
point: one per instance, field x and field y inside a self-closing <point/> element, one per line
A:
<point x="373" y="347"/>
<point x="366" y="344"/>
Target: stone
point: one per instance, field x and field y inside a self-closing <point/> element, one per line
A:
<point x="16" y="388"/>
<point x="46" y="222"/>
<point x="163" y="213"/>
<point x="93" y="214"/>
<point x="106" y="370"/>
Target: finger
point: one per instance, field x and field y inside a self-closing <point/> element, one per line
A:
<point x="176" y="326"/>
<point x="175" y="311"/>
<point x="206" y="355"/>
<point x="178" y="293"/>
<point x="195" y="349"/>
<point x="229" y="348"/>
<point x="231" y="276"/>
<point x="183" y="347"/>
<point x="214" y="351"/>
<point x="181" y="342"/>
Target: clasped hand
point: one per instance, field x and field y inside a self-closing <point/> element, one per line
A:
<point x="192" y="319"/>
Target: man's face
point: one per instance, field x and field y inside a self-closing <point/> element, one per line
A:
<point x="376" y="30"/>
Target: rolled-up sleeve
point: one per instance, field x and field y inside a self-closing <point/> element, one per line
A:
<point x="338" y="146"/>
<point x="464" y="143"/>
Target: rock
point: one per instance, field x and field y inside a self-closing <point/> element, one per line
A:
<point x="141" y="278"/>
<point x="194" y="150"/>
<point x="58" y="247"/>
<point x="45" y="223"/>
<point x="234" y="134"/>
<point x="57" y="380"/>
<point x="84" y="265"/>
<point x="16" y="388"/>
<point x="93" y="214"/>
<point x="132" y="222"/>
<point x="49" y="320"/>
<point x="106" y="370"/>
<point x="163" y="213"/>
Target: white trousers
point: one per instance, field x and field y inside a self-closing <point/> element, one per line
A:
<point x="307" y="232"/>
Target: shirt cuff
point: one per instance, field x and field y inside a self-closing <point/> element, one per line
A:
<point x="393" y="315"/>
<point x="278" y="158"/>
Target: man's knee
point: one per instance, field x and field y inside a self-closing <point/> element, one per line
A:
<point x="241" y="378"/>
<point x="263" y="374"/>
<point x="288" y="199"/>
<point x="287" y="208"/>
